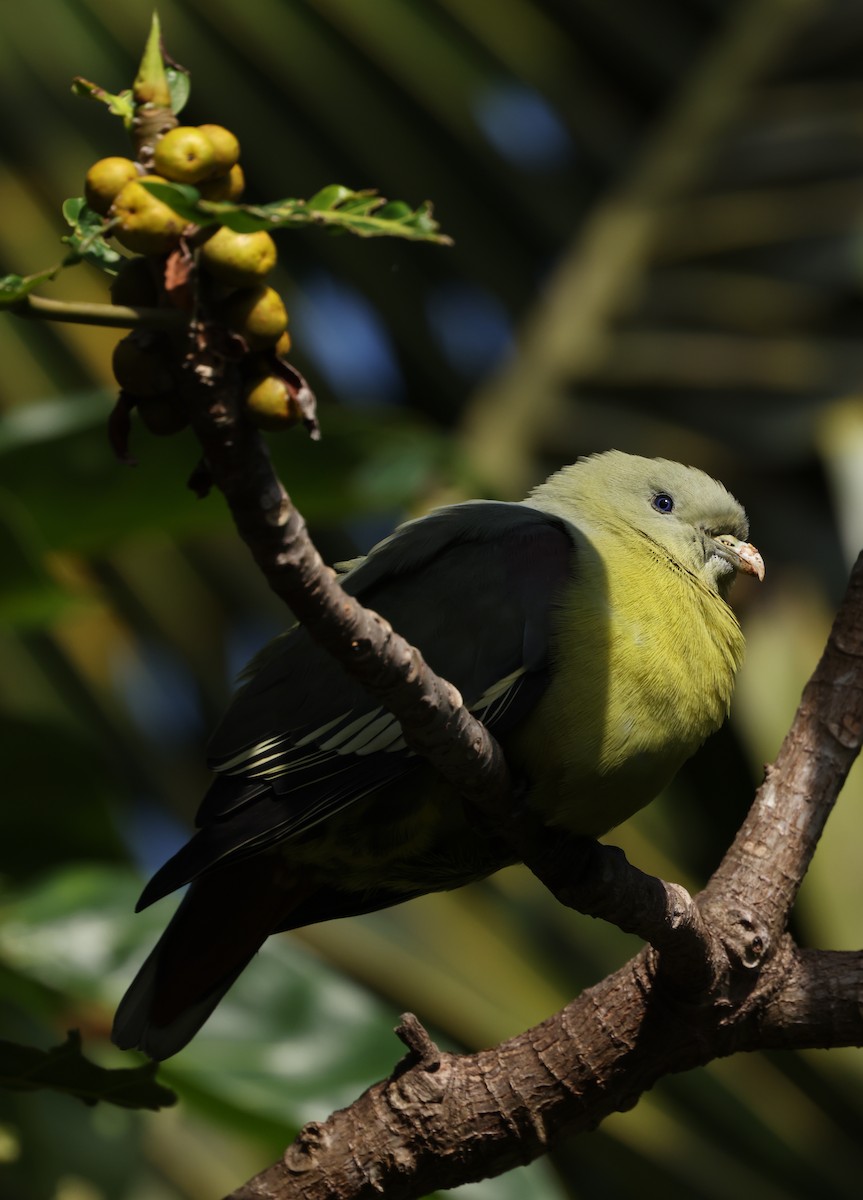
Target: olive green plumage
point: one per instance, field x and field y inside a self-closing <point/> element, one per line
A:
<point x="588" y="627"/>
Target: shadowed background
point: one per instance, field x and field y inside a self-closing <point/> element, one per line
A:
<point x="656" y="209"/>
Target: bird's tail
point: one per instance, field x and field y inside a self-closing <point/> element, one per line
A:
<point x="223" y="920"/>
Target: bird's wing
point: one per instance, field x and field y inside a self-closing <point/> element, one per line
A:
<point x="472" y="586"/>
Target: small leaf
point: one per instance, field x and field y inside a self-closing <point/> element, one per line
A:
<point x="179" y="85"/>
<point x="329" y="197"/>
<point x="87" y="240"/>
<point x="121" y="105"/>
<point x="363" y="213"/>
<point x="151" y="83"/>
<point x="14" y="288"/>
<point x="396" y="210"/>
<point x="65" y="1069"/>
<point x="72" y="209"/>
<point x="181" y="197"/>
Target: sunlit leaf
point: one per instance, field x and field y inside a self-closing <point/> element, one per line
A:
<point x="87" y="240"/>
<point x="121" y="105"/>
<point x="363" y="213"/>
<point x="181" y="197"/>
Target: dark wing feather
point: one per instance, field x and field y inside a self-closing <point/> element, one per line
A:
<point x="473" y="586"/>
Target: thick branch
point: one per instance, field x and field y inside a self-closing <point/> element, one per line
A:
<point x="772" y="851"/>
<point x="448" y="1120"/>
<point x="818" y="1004"/>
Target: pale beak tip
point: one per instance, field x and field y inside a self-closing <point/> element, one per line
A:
<point x="749" y="561"/>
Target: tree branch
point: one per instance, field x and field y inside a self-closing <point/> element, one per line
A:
<point x="118" y="316"/>
<point x="774" y="847"/>
<point x="435" y="722"/>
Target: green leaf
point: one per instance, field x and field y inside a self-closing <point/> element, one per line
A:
<point x="182" y="198"/>
<point x="14" y="288"/>
<point x="328" y="197"/>
<point x="65" y="1069"/>
<point x="121" y="105"/>
<point x="72" y="209"/>
<point x="179" y="85"/>
<point x="87" y="241"/>
<point x="363" y="213"/>
<point x="151" y="83"/>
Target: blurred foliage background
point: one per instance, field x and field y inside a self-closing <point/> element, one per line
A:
<point x="656" y="207"/>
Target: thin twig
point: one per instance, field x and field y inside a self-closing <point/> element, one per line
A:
<point x="117" y="316"/>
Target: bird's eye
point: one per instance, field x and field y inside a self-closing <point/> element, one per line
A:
<point x="663" y="503"/>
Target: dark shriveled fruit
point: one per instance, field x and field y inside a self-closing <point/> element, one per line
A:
<point x="140" y="367"/>
<point x="135" y="284"/>
<point x="162" y="416"/>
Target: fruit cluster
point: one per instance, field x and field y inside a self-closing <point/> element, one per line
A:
<point x="230" y="273"/>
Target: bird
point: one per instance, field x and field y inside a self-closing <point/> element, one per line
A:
<point x="587" y="626"/>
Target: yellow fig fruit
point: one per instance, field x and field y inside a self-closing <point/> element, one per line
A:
<point x="135" y="284"/>
<point x="269" y="404"/>
<point x="185" y="155"/>
<point x="238" y="259"/>
<point x="224" y="187"/>
<point x="105" y="180"/>
<point x="140" y="368"/>
<point x="283" y="345"/>
<point x="225" y="147"/>
<point x="258" y="315"/>
<point x="144" y="224"/>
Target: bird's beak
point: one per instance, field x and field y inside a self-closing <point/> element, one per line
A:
<point x="743" y="555"/>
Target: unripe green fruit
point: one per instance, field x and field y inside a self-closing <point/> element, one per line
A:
<point x="226" y="148"/>
<point x="141" y="370"/>
<point x="258" y="315"/>
<point x="239" y="259"/>
<point x="185" y="155"/>
<point x="135" y="284"/>
<point x="269" y="404"/>
<point x="224" y="187"/>
<point x="105" y="180"/>
<point x="145" y="224"/>
<point x="161" y="415"/>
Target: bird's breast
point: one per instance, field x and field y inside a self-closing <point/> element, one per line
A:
<point x="644" y="657"/>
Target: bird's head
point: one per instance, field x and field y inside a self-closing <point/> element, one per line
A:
<point x="685" y="513"/>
